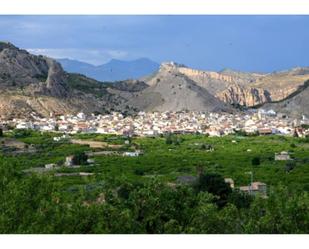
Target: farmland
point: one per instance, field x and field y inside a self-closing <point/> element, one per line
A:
<point x="117" y="182"/>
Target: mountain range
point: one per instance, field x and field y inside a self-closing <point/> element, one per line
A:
<point x="31" y="84"/>
<point x="114" y="70"/>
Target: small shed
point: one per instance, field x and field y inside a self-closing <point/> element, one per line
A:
<point x="230" y="181"/>
<point x="69" y="161"/>
<point x="282" y="156"/>
<point x="50" y="166"/>
<point x="255" y="188"/>
<point x="132" y="153"/>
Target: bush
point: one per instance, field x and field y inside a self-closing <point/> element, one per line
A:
<point x="214" y="184"/>
<point x="139" y="172"/>
<point x="21" y="133"/>
<point x="206" y="147"/>
<point x="169" y="139"/>
<point x="173" y="139"/>
<point x="80" y="158"/>
<point x="290" y="165"/>
<point x="240" y="200"/>
<point x="256" y="161"/>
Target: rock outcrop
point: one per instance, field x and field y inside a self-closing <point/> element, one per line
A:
<point x="295" y="105"/>
<point x="38" y="84"/>
<point x="248" y="89"/>
<point x="18" y="68"/>
<point x="245" y="96"/>
<point x="170" y="90"/>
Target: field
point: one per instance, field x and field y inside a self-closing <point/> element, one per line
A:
<point x="163" y="162"/>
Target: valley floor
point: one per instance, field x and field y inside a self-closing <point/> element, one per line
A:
<point x="165" y="184"/>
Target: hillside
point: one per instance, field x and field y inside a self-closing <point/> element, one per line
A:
<point x="170" y="90"/>
<point x="36" y="84"/>
<point x="248" y="89"/>
<point x="296" y="104"/>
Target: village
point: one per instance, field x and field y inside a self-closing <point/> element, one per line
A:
<point x="153" y="124"/>
<point x="156" y="123"/>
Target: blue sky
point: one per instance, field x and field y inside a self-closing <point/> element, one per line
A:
<point x="246" y="43"/>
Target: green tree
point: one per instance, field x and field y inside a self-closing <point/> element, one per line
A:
<point x="169" y="139"/>
<point x="214" y="183"/>
<point x="256" y="161"/>
<point x="80" y="158"/>
<point x="289" y="166"/>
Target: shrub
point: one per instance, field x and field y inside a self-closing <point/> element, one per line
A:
<point x="290" y="165"/>
<point x="80" y="158"/>
<point x="139" y="172"/>
<point x="214" y="184"/>
<point x="256" y="161"/>
<point x="293" y="145"/>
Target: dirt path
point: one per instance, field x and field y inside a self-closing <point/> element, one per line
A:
<point x="95" y="144"/>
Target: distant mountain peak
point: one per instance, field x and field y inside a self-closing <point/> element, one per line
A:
<point x="114" y="70"/>
<point x="68" y="60"/>
<point x="114" y="61"/>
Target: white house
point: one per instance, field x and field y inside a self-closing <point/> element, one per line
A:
<point x="24" y="125"/>
<point x="81" y="116"/>
<point x="132" y="153"/>
<point x="50" y="166"/>
<point x="282" y="156"/>
<point x="255" y="188"/>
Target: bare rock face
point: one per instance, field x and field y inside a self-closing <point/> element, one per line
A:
<point x="281" y="84"/>
<point x="295" y="105"/>
<point x="177" y="87"/>
<point x="248" y="89"/>
<point x="37" y="84"/>
<point x="18" y="68"/>
<point x="170" y="90"/>
<point x="246" y="96"/>
<point x="56" y="80"/>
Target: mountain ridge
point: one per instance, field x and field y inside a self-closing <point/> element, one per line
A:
<point x="169" y="90"/>
<point x="38" y="84"/>
<point x="245" y="88"/>
<point x="114" y="70"/>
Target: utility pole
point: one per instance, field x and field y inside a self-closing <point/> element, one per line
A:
<point x="251" y="181"/>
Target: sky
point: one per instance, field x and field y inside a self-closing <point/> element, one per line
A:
<point x="244" y="43"/>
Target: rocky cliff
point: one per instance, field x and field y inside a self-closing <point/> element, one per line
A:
<point x="295" y="105"/>
<point x="247" y="89"/>
<point x="170" y="90"/>
<point x="37" y="84"/>
<point x="245" y="96"/>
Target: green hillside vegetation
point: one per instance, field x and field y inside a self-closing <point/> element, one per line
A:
<point x="143" y="194"/>
<point x="86" y="85"/>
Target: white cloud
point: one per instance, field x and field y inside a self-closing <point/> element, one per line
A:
<point x="92" y="56"/>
